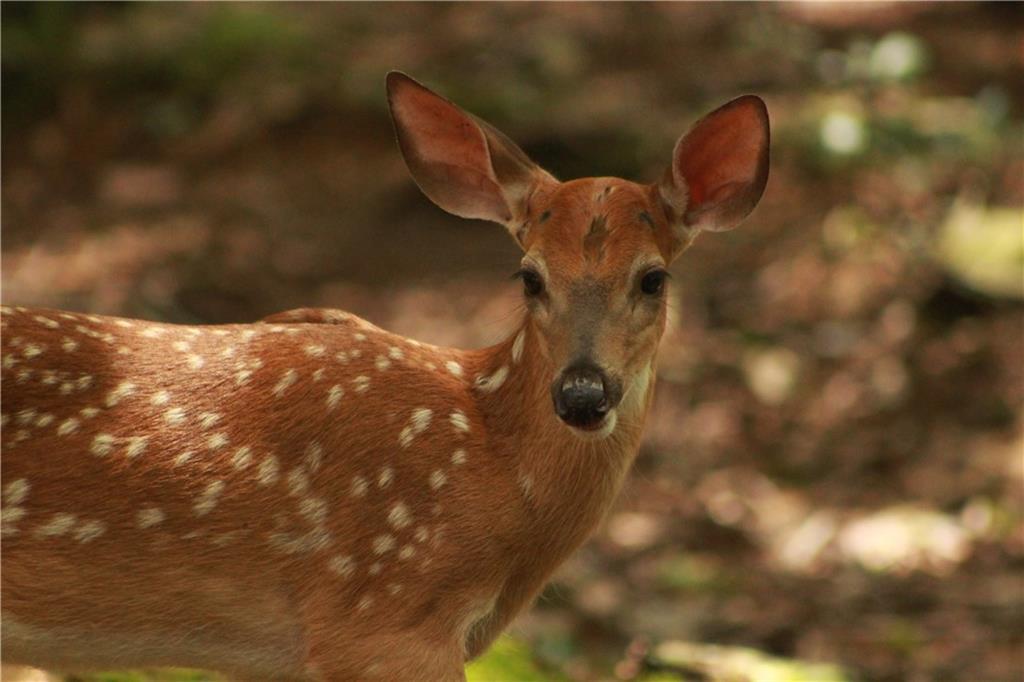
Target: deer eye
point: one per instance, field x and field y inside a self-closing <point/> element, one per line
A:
<point x="653" y="282"/>
<point x="533" y="285"/>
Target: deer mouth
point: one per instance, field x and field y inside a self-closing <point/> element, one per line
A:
<point x="598" y="430"/>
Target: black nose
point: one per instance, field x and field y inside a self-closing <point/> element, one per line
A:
<point x="581" y="396"/>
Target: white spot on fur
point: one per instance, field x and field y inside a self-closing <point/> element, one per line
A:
<point x="334" y="394"/>
<point x="454" y="367"/>
<point x="394" y="588"/>
<point x="489" y="384"/>
<point x="314" y="351"/>
<point x="122" y="391"/>
<point x="208" y="419"/>
<point x="526" y="485"/>
<point x="183" y="458"/>
<point x="359" y="336"/>
<point x="359" y="486"/>
<point x="152" y="332"/>
<point x="242" y="457"/>
<point x="383" y="544"/>
<point x="459" y="457"/>
<point x="217" y="441"/>
<point x="385" y="477"/>
<point x="136" y="446"/>
<point x="84" y="382"/>
<point x="399" y="516"/>
<point x="342" y="565"/>
<point x="26" y="415"/>
<point x="150" y="516"/>
<point x="46" y="322"/>
<point x="406" y="552"/>
<point x="8" y="517"/>
<point x="365" y="603"/>
<point x="418" y="423"/>
<point x="89" y="531"/>
<point x="314" y="509"/>
<point x="102" y="444"/>
<point x="362" y="382"/>
<point x="16" y="491"/>
<point x="58" y="525"/>
<point x="209" y="498"/>
<point x="268" y="471"/>
<point x="69" y="345"/>
<point x="298" y="482"/>
<point x="395" y="353"/>
<point x="175" y="415"/>
<point x="437" y="479"/>
<point x="87" y="412"/>
<point x="318" y="375"/>
<point x="195" y="361"/>
<point x="67" y="427"/>
<point x="181" y="346"/>
<point x="32" y="350"/>
<point x="314" y="456"/>
<point x="287" y="379"/>
<point x="459" y="421"/>
<point x="382" y="363"/>
<point x="160" y="398"/>
<point x="46" y="418"/>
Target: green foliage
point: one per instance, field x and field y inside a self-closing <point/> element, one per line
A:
<point x="509" y="660"/>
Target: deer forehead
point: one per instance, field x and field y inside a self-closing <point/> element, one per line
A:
<point x="599" y="228"/>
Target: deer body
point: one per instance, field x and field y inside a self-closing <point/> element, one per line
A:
<point x="311" y="497"/>
<point x="222" y="496"/>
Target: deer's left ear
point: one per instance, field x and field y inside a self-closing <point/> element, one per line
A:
<point x="719" y="168"/>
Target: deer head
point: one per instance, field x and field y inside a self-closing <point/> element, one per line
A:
<point x="596" y="250"/>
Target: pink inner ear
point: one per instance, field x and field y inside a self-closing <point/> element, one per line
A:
<point x="446" y="152"/>
<point x="440" y="132"/>
<point x="723" y="155"/>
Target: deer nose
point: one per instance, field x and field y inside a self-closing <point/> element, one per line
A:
<point x="581" y="396"/>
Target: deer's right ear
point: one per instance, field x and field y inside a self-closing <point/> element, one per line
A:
<point x="461" y="163"/>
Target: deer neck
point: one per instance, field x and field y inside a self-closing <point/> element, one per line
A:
<point x="566" y="481"/>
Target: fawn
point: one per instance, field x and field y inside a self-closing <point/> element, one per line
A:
<point x="310" y="497"/>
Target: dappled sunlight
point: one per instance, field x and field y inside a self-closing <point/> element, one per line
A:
<point x="829" y="485"/>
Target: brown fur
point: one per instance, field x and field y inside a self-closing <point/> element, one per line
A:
<point x="324" y="526"/>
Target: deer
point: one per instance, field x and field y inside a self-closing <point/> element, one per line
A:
<point x="311" y="497"/>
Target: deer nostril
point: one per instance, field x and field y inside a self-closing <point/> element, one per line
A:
<point x="581" y="397"/>
<point x="582" y="382"/>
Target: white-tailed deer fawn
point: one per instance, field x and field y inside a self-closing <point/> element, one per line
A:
<point x="311" y="497"/>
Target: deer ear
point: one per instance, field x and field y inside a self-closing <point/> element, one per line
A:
<point x="461" y="163"/>
<point x="719" y="168"/>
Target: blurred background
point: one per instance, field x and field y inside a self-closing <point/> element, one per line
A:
<point x="830" y="484"/>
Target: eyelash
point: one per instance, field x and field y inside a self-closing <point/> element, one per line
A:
<point x="533" y="284"/>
